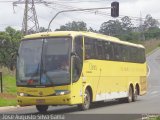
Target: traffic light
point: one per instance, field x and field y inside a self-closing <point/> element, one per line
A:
<point x="115" y="9"/>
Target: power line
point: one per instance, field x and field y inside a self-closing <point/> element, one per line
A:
<point x="6" y="1"/>
<point x="82" y="1"/>
<point x="70" y="7"/>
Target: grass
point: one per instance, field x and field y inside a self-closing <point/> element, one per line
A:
<point x="8" y="97"/>
<point x="9" y="83"/>
<point x="156" y="118"/>
<point x="150" y="45"/>
<point x="7" y="102"/>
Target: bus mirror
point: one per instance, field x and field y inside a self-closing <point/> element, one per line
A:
<point x="73" y="54"/>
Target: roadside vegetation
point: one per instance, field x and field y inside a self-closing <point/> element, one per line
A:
<point x="156" y="118"/>
<point x="8" y="97"/>
<point x="150" y="45"/>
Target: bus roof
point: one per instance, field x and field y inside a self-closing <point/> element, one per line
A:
<point x="83" y="33"/>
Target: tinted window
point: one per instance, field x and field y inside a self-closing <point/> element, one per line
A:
<point x="108" y="50"/>
<point x="125" y="53"/>
<point x="90" y="48"/>
<point x="117" y="52"/>
<point x="100" y="50"/>
<point x="78" y="59"/>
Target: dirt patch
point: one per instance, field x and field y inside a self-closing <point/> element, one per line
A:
<point x="7" y="96"/>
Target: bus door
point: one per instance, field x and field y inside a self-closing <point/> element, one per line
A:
<point x="77" y="63"/>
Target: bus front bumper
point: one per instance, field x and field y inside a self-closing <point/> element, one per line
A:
<point x="47" y="100"/>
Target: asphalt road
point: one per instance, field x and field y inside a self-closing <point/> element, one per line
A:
<point x="150" y="103"/>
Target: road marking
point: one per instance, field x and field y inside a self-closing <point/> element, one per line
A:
<point x="148" y="70"/>
<point x="154" y="92"/>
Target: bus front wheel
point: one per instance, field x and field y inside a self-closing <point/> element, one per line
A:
<point x="87" y="101"/>
<point x="42" y="108"/>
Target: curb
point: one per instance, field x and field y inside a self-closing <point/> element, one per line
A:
<point x="8" y="107"/>
<point x="13" y="107"/>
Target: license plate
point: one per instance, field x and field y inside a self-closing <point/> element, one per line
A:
<point x="40" y="101"/>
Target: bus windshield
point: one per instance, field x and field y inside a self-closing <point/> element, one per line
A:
<point x="44" y="62"/>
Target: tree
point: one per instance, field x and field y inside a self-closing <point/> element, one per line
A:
<point x="111" y="27"/>
<point x="73" y="26"/>
<point x="9" y="42"/>
<point x="126" y="24"/>
<point x="43" y="29"/>
<point x="92" y="30"/>
<point x="150" y="23"/>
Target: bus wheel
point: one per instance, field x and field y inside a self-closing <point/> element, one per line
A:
<point x="42" y="108"/>
<point x="130" y="95"/>
<point x="87" y="101"/>
<point x="135" y="96"/>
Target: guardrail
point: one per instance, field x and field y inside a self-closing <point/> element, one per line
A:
<point x="1" y="82"/>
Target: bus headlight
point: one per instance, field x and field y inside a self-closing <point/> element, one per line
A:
<point x="62" y="92"/>
<point x="22" y="94"/>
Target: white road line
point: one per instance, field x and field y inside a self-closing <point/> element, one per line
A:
<point x="154" y="92"/>
<point x="148" y="70"/>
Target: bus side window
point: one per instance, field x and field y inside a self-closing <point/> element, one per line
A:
<point x="89" y="48"/>
<point x="100" y="50"/>
<point x="108" y="50"/>
<point x="133" y="54"/>
<point x="125" y="53"/>
<point x="117" y="56"/>
<point x="141" y="55"/>
<point x="77" y="60"/>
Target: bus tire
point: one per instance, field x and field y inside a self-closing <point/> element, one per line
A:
<point x="87" y="101"/>
<point x="135" y="96"/>
<point x="42" y="108"/>
<point x="130" y="95"/>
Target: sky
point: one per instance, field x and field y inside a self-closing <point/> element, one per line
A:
<point x="134" y="8"/>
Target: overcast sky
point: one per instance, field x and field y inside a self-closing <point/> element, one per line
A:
<point x="93" y="19"/>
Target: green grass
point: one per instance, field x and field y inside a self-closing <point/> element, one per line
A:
<point x="9" y="83"/>
<point x="7" y="102"/>
<point x="8" y="97"/>
<point x="156" y="118"/>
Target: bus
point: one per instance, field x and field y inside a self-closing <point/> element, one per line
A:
<point x="78" y="68"/>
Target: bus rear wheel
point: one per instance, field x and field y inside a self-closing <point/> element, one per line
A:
<point x="135" y="97"/>
<point x="130" y="95"/>
<point x="87" y="101"/>
<point x="42" y="108"/>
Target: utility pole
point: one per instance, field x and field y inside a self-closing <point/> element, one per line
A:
<point x="30" y="22"/>
<point x="142" y="37"/>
